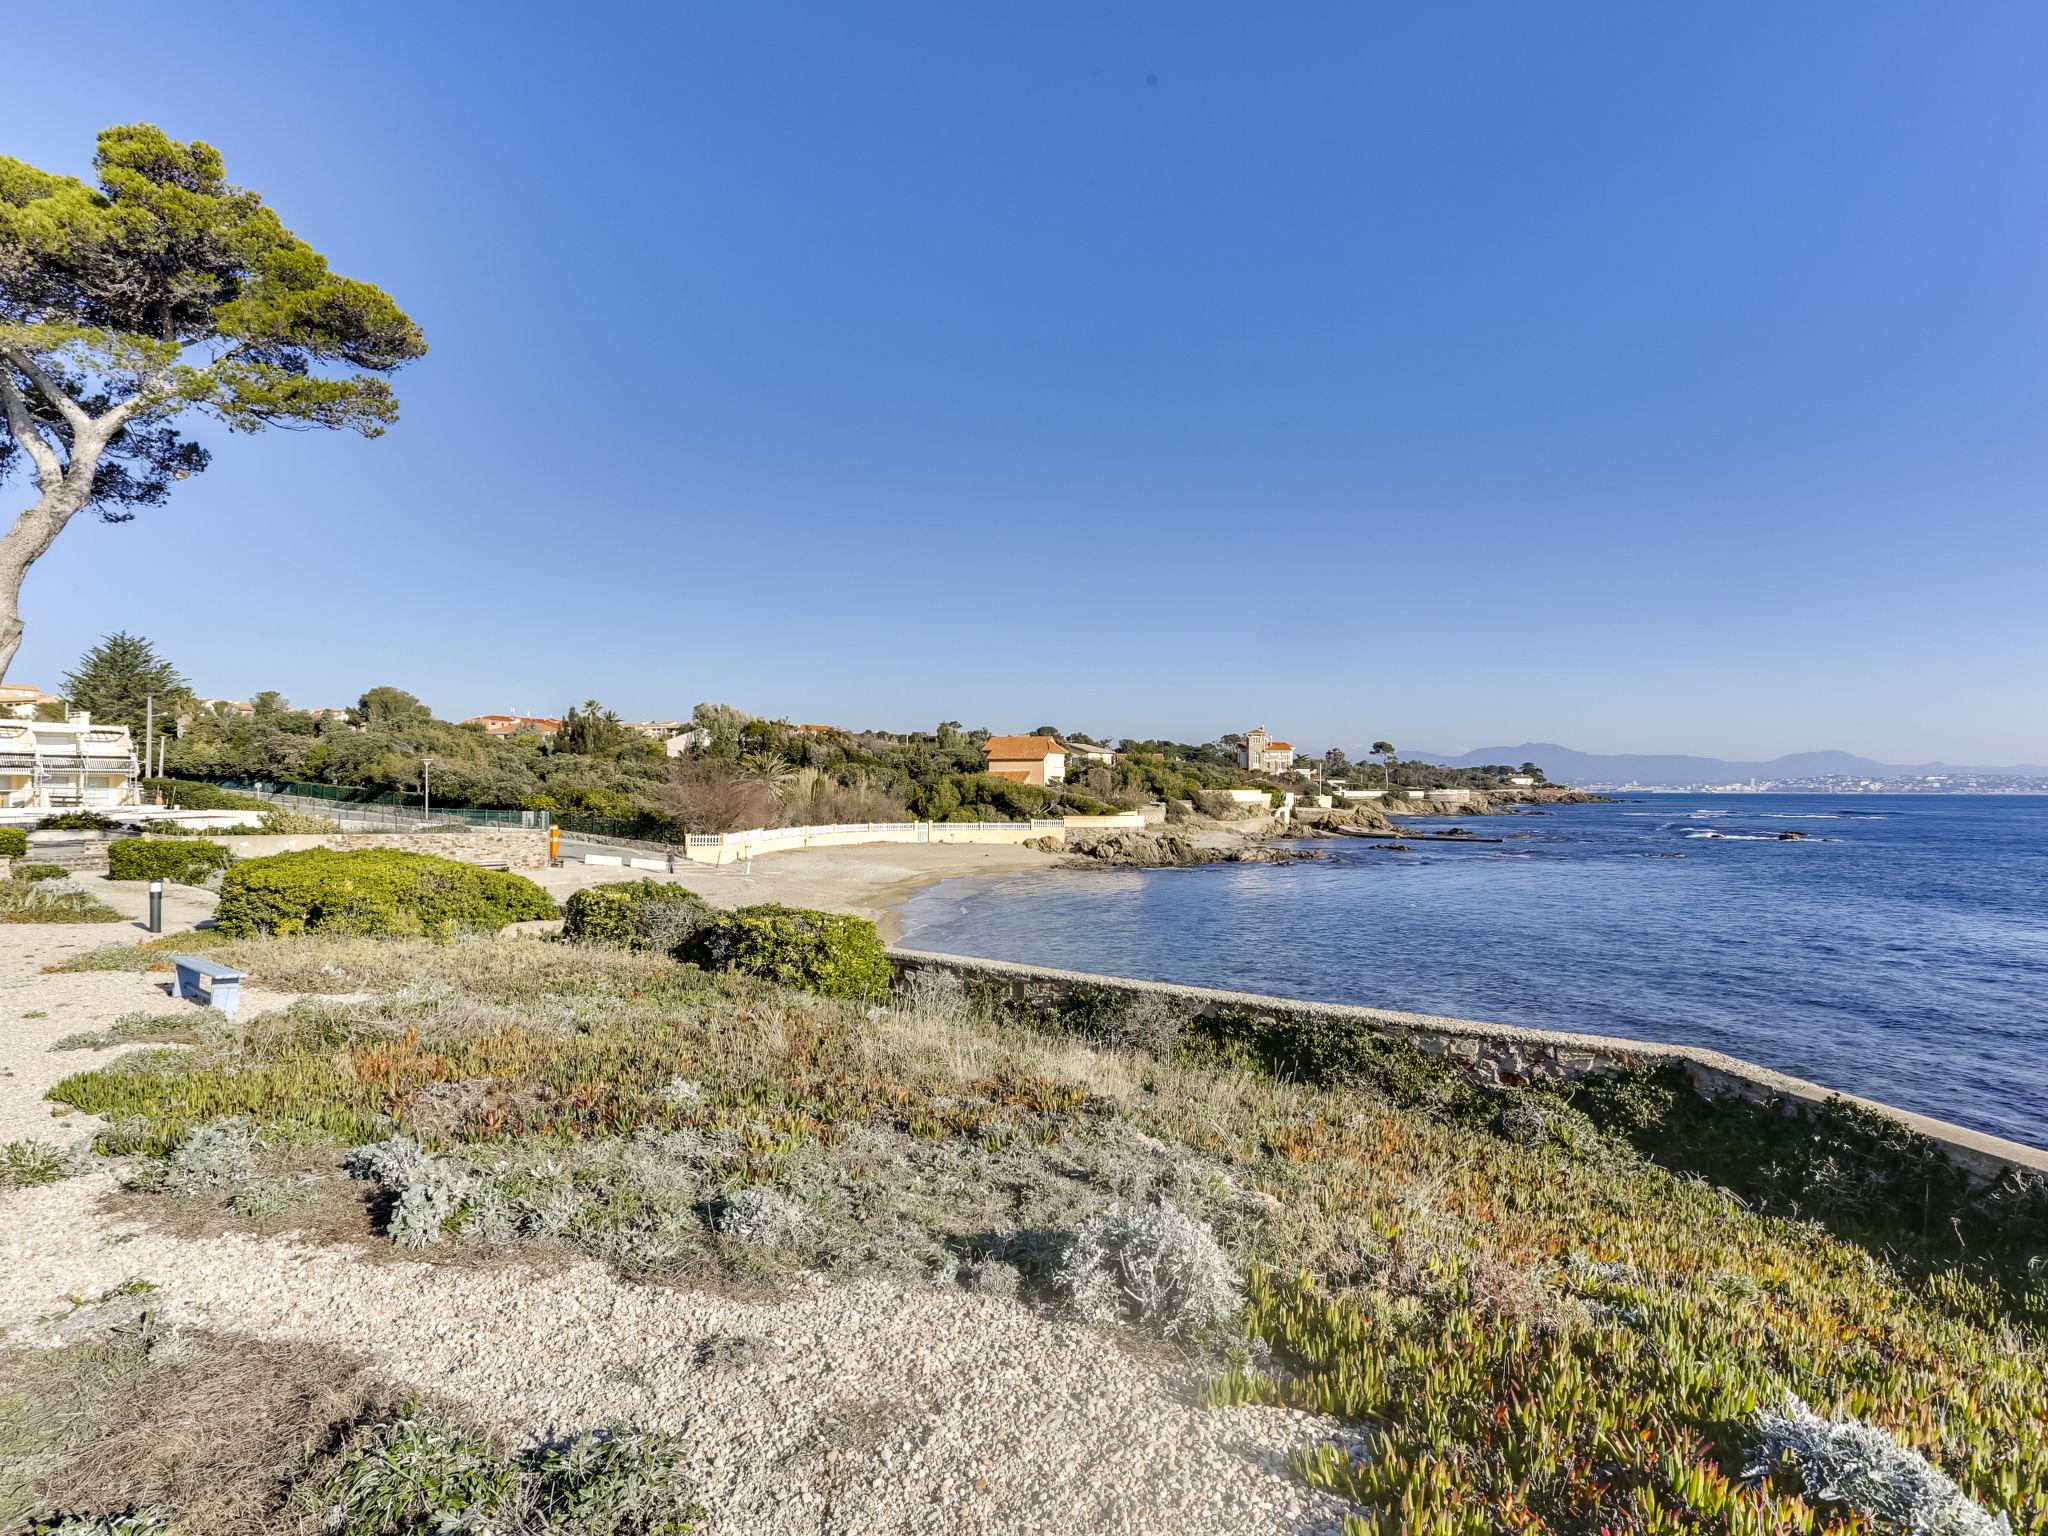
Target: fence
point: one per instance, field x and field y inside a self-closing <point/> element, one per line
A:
<point x="380" y="809"/>
<point x="734" y="847"/>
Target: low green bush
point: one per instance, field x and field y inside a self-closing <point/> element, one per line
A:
<point x="34" y="872"/>
<point x="75" y="821"/>
<point x="635" y="914"/>
<point x="828" y="952"/>
<point x="13" y="842"/>
<point x="372" y="891"/>
<point x="196" y="795"/>
<point x="188" y="861"/>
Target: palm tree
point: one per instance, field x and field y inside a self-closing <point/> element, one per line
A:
<point x="1384" y="750"/>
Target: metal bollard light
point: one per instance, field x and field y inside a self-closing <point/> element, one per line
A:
<point x="156" y="906"/>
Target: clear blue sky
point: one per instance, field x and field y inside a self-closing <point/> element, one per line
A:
<point x="1659" y="377"/>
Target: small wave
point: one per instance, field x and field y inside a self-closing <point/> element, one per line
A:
<point x="1805" y="815"/>
<point x="1702" y="815"/>
<point x="1747" y="837"/>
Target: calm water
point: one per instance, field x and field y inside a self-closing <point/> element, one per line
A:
<point x="1900" y="952"/>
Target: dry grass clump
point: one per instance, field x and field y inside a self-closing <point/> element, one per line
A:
<point x="132" y="1419"/>
<point x="135" y="1430"/>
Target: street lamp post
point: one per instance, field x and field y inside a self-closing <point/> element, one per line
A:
<point x="427" y="790"/>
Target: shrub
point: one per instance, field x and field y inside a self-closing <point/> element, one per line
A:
<point x="1860" y="1465"/>
<point x="188" y="862"/>
<point x="37" y="1162"/>
<point x="52" y="900"/>
<point x="758" y="1214"/>
<point x="34" y="872"/>
<point x="635" y="914"/>
<point x="218" y="1155"/>
<point x="829" y="952"/>
<point x="613" y="1482"/>
<point x="416" y="1472"/>
<point x="195" y="795"/>
<point x="1153" y="1266"/>
<point x="75" y="821"/>
<point x="372" y="891"/>
<point x="425" y="1192"/>
<point x="13" y="843"/>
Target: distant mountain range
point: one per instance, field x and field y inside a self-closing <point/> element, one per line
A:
<point x="1565" y="766"/>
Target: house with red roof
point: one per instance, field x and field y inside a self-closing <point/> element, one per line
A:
<point x="1037" y="760"/>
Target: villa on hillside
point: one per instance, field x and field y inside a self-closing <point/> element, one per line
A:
<point x="1038" y="760"/>
<point x="67" y="765"/>
<point x="20" y="699"/>
<point x="512" y="725"/>
<point x="1260" y="753"/>
<point x="675" y="736"/>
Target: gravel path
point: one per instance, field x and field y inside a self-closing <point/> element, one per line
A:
<point x="829" y="1408"/>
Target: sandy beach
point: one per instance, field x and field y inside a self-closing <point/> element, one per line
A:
<point x="871" y="882"/>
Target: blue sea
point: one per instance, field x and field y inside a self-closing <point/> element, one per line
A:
<point x="1898" y="950"/>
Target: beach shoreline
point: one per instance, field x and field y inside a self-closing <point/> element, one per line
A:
<point x="873" y="881"/>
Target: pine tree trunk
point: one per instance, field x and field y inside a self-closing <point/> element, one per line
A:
<point x="27" y="541"/>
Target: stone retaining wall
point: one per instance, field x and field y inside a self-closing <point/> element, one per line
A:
<point x="1499" y="1055"/>
<point x="525" y="849"/>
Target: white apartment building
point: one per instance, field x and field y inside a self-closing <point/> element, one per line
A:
<point x="68" y="765"/>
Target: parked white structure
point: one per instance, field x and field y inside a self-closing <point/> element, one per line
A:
<point x="69" y="765"/>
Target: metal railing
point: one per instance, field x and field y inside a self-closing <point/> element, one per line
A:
<point x="384" y="809"/>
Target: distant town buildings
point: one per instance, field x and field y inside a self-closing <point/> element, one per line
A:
<point x="1260" y="753"/>
<point x="676" y="736"/>
<point x="513" y="725"/>
<point x="66" y="765"/>
<point x="1027" y="759"/>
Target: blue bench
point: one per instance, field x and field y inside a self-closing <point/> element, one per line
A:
<point x="224" y="982"/>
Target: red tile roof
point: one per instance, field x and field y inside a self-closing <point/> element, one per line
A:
<point x="1009" y="748"/>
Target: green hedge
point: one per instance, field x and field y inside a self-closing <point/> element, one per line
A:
<point x="372" y="891"/>
<point x="75" y="821"/>
<point x="34" y="872"/>
<point x="635" y="914"/>
<point x="196" y="795"/>
<point x="188" y="861"/>
<point x="13" y="843"/>
<point x="826" y="952"/>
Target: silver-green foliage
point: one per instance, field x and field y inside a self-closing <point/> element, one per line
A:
<point x="427" y="1193"/>
<point x="1151" y="1265"/>
<point x="758" y="1214"/>
<point x="141" y="1522"/>
<point x="38" y="1162"/>
<point x="218" y="1155"/>
<point x="615" y="1482"/>
<point x="1858" y="1464"/>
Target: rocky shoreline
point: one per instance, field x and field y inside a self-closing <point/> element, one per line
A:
<point x="1166" y="848"/>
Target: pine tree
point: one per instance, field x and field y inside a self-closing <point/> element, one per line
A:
<point x="116" y="678"/>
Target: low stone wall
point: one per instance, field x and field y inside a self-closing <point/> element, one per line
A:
<point x="1498" y="1055"/>
<point x="525" y="849"/>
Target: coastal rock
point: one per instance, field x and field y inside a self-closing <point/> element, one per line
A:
<point x="1171" y="850"/>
